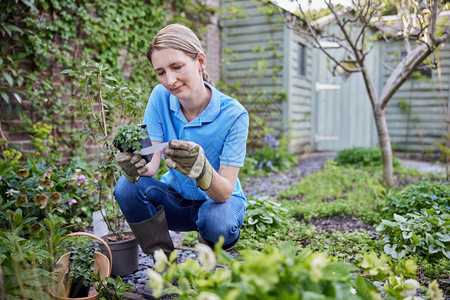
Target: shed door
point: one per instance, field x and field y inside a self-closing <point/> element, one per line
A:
<point x="342" y="111"/>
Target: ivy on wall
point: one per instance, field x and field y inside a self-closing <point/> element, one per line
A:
<point x="39" y="39"/>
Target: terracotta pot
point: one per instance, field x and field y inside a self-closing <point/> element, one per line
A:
<point x="125" y="255"/>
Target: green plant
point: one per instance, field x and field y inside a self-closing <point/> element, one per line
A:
<point x="434" y="269"/>
<point x="415" y="197"/>
<point x="344" y="246"/>
<point x="426" y="234"/>
<point x="27" y="251"/>
<point x="262" y="213"/>
<point x="39" y="189"/>
<point x="361" y="156"/>
<point x="110" y="288"/>
<point x="80" y="267"/>
<point x="396" y="285"/>
<point x="128" y="137"/>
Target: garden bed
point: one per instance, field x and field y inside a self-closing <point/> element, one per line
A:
<point x="270" y="185"/>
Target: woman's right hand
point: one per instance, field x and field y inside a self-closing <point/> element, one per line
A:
<point x="131" y="165"/>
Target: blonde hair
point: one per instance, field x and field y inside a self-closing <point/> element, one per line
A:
<point x="178" y="37"/>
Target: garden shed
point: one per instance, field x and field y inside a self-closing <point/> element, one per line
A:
<point x="320" y="111"/>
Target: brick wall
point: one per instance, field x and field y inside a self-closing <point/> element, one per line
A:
<point x="212" y="45"/>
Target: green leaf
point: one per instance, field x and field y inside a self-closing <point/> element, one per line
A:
<point x="18" y="257"/>
<point x="67" y="71"/>
<point x="15" y="28"/>
<point x="5" y="96"/>
<point x="399" y="218"/>
<point x="443" y="237"/>
<point x="364" y="288"/>
<point x="429" y="238"/>
<point x="8" y="78"/>
<point x="17" y="217"/>
<point x="18" y="98"/>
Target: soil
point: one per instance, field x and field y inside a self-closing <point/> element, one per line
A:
<point x="112" y="238"/>
<point x="343" y="224"/>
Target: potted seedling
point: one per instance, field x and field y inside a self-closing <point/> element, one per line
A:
<point x="132" y="137"/>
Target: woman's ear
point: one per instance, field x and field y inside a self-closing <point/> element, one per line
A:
<point x="201" y="58"/>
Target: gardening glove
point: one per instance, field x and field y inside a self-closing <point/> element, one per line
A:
<point x="189" y="159"/>
<point x="131" y="165"/>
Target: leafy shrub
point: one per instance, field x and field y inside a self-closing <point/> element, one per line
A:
<point x="263" y="212"/>
<point x="361" y="156"/>
<point x="425" y="234"/>
<point x="415" y="197"/>
<point x="111" y="289"/>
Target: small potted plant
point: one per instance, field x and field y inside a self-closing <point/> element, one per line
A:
<point x="79" y="271"/>
<point x="81" y="265"/>
<point x="132" y="137"/>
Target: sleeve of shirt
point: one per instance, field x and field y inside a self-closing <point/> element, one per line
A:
<point x="152" y="118"/>
<point x="234" y="149"/>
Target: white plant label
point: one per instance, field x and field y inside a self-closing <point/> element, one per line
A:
<point x="100" y="227"/>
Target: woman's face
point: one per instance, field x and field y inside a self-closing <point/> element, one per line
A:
<point x="178" y="73"/>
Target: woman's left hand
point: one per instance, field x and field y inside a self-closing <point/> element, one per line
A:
<point x="189" y="159"/>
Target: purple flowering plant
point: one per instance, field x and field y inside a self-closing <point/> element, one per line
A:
<point x="271" y="156"/>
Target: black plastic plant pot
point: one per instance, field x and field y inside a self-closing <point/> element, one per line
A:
<point x="79" y="290"/>
<point x="144" y="144"/>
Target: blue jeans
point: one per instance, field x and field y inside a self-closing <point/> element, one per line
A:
<point x="138" y="202"/>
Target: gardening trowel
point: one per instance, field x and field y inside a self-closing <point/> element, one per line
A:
<point x="151" y="149"/>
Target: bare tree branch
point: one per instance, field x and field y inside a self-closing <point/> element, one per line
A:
<point x="407" y="66"/>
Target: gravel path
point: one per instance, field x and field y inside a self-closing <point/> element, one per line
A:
<point x="272" y="184"/>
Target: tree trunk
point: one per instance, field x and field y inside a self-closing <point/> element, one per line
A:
<point x="385" y="145"/>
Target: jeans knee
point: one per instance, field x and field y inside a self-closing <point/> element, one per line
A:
<point x="212" y="231"/>
<point x="216" y="220"/>
<point x="121" y="189"/>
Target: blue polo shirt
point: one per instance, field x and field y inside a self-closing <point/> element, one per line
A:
<point x="221" y="130"/>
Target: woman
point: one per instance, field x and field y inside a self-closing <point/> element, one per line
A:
<point x="207" y="131"/>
